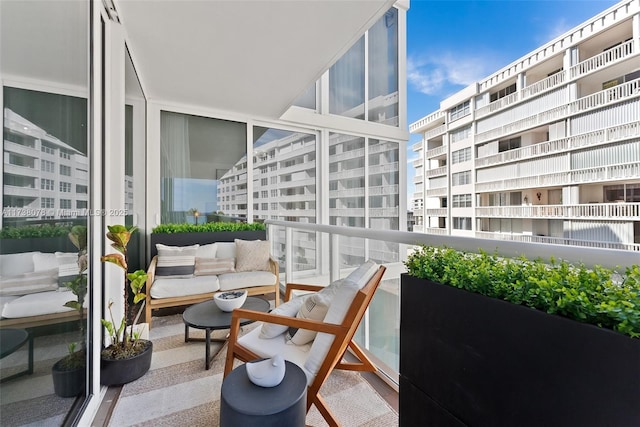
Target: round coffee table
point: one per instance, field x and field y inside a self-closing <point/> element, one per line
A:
<point x="206" y="315"/>
<point x="12" y="339"/>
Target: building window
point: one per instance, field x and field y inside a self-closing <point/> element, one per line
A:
<point x="503" y="92"/>
<point x="47" y="184"/>
<point x="460" y="111"/>
<point x="274" y="193"/>
<point x="274" y="206"/>
<point x="383" y="69"/>
<point x="264" y="181"/>
<point x="461" y="201"/>
<point x="460" y="156"/>
<point x="81" y="189"/>
<point x="265" y="206"/>
<point x="461" y="223"/>
<point x="47" y="149"/>
<point x="65" y="203"/>
<point x="461" y="178"/>
<point x="264" y="194"/>
<point x="65" y="170"/>
<point x="65" y="154"/>
<point x="346" y="83"/>
<point x="47" y="202"/>
<point x="81" y="204"/>
<point x="47" y="166"/>
<point x="65" y="187"/>
<point x="509" y="144"/>
<point x="460" y="134"/>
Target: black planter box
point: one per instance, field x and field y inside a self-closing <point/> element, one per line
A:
<point x="467" y="359"/>
<point x="42" y="244"/>
<point x="186" y="239"/>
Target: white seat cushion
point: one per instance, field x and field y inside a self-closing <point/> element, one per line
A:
<point x="246" y="279"/>
<point x="177" y="287"/>
<point x="269" y="347"/>
<point x="38" y="304"/>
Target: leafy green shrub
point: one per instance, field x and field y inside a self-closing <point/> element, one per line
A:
<point x="598" y="295"/>
<point x="208" y="227"/>
<point x="31" y="231"/>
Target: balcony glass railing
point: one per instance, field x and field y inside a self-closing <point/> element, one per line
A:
<point x="321" y="254"/>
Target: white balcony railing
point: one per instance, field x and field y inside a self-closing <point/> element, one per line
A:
<point x="418" y="178"/>
<point x="602" y="60"/>
<point x="431" y="118"/>
<point x="440" y="130"/>
<point x="435" y="152"/>
<point x="436" y="212"/>
<point x="601" y="136"/>
<point x="417" y="146"/>
<point x="418" y="162"/>
<point x="597" y="174"/>
<point x="631" y="248"/>
<point x="606" y="211"/>
<point x="437" y="171"/>
<point x="599" y="99"/>
<point x="437" y="192"/>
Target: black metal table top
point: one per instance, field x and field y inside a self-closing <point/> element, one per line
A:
<point x="207" y="315"/>
<point x="11" y="339"/>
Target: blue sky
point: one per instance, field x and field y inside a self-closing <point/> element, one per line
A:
<point x="451" y="44"/>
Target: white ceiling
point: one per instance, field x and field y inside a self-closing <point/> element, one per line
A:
<point x="252" y="57"/>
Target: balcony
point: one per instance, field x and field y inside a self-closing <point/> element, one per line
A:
<point x="436" y="152"/>
<point x="599" y="211"/>
<point x="436" y="212"/>
<point x="422" y="124"/>
<point x="437" y="172"/>
<point x="630" y="248"/>
<point x="599" y="99"/>
<point x="440" y="130"/>
<point x="437" y="192"/>
<point x="604" y="59"/>
<point x="417" y="146"/>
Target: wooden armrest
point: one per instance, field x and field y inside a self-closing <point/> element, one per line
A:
<point x="311" y="325"/>
<point x="151" y="273"/>
<point x="300" y="287"/>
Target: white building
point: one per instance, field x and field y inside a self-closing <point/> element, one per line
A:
<point x="546" y="149"/>
<point x="43" y="177"/>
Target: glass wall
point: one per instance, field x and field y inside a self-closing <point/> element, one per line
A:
<point x="203" y="169"/>
<point x="284" y="187"/>
<point x="45" y="194"/>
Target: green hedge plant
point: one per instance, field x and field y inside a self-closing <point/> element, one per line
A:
<point x="208" y="227"/>
<point x="31" y="231"/>
<point x="599" y="296"/>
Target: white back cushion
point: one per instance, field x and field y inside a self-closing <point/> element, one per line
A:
<point x="15" y="264"/>
<point x="207" y="251"/>
<point x="226" y="250"/>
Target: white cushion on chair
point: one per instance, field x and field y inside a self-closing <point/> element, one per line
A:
<point x="176" y="287"/>
<point x="246" y="279"/>
<point x="272" y="346"/>
<point x="289" y="308"/>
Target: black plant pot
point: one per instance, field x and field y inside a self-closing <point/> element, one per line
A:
<point x="68" y="382"/>
<point x="468" y="359"/>
<point x="122" y="371"/>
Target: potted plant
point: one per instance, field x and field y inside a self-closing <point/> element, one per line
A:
<point x="491" y="341"/>
<point x="69" y="373"/>
<point x="127" y="357"/>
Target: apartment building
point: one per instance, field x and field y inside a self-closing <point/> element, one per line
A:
<point x="43" y="177"/>
<point x="546" y="149"/>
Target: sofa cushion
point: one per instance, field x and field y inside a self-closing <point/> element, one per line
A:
<point x="176" y="261"/>
<point x="29" y="283"/>
<point x="246" y="279"/>
<point x="315" y="307"/>
<point x="167" y="287"/>
<point x="15" y="264"/>
<point x="252" y="255"/>
<point x="207" y="251"/>
<point x="214" y="266"/>
<point x="289" y="308"/>
<point x="226" y="250"/>
<point x="37" y="304"/>
<point x="44" y="261"/>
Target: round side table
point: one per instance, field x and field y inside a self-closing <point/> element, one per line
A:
<point x="245" y="404"/>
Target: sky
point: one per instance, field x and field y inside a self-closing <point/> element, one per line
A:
<point x="451" y="44"/>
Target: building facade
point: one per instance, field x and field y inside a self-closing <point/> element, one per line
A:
<point x="546" y="149"/>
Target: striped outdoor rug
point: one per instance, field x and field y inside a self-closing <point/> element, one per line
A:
<point x="178" y="391"/>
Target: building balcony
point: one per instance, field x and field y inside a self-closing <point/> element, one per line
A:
<point x="437" y="192"/>
<point x="418" y="178"/>
<point x="12" y="147"/>
<point x="587" y="175"/>
<point x="418" y="212"/>
<point x="600" y="211"/>
<point x="348" y="192"/>
<point x="384" y="190"/>
<point x="437" y="212"/>
<point x="440" y="130"/>
<point x="616" y="94"/>
<point x="603" y="136"/>
<point x="602" y="60"/>
<point x="27" y="192"/>
<point x="435" y="118"/>
<point x="437" y="172"/>
<point x="562" y="241"/>
<point x="418" y="195"/>
<point x="418" y="162"/>
<point x="21" y="170"/>
<point x="436" y="230"/>
<point x="436" y="152"/>
<point x="417" y="146"/>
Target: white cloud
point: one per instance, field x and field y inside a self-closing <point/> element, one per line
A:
<point x="556" y="29"/>
<point x="435" y="74"/>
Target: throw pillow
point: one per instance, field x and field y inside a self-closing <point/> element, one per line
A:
<point x="252" y="255"/>
<point x="44" y="261"/>
<point x="213" y="266"/>
<point x="176" y="261"/>
<point x="315" y="307"/>
<point x="29" y="283"/>
<point x="289" y="308"/>
<point x="207" y="251"/>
